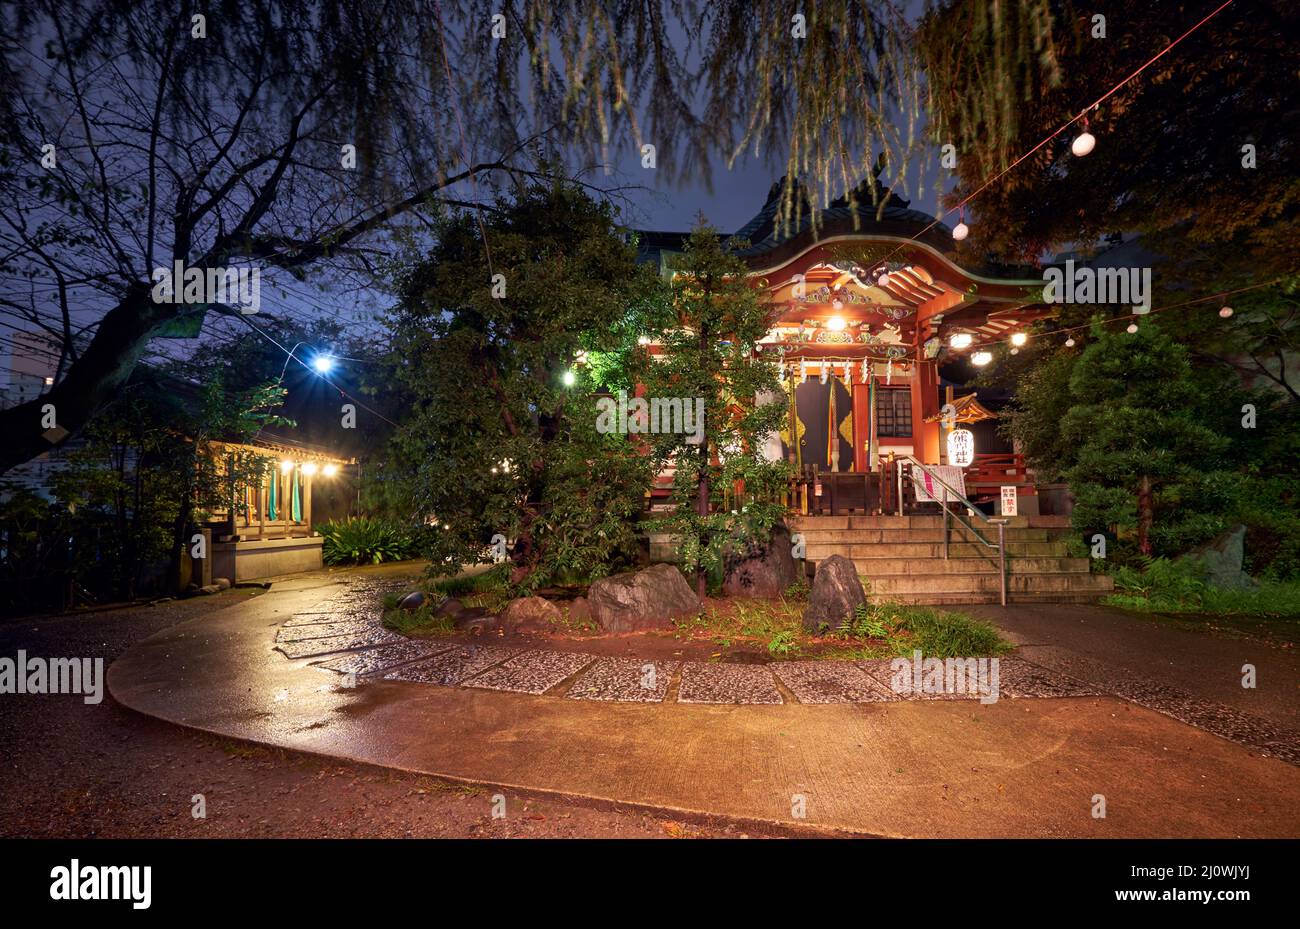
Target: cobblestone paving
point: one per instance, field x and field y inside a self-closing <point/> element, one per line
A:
<point x="339" y="643"/>
<point x="323" y="630"/>
<point x="830" y="682"/>
<point x="349" y="622"/>
<point x="532" y="672"/>
<point x="383" y="658"/>
<point x="727" y="683"/>
<point x="350" y="614"/>
<point x="625" y="680"/>
<point x="1020" y="678"/>
<point x="454" y="666"/>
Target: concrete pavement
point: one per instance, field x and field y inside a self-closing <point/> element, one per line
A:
<point x="1019" y="767"/>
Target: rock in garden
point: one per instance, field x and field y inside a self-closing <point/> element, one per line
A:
<point x="765" y="573"/>
<point x="477" y="621"/>
<point x="529" y="614"/>
<point x="449" y="606"/>
<point x="836" y="593"/>
<point x="221" y="583"/>
<point x="1220" y="560"/>
<point x="412" y="601"/>
<point x="648" y="599"/>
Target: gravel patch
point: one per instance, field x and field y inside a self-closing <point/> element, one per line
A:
<point x="1020" y="678"/>
<point x="324" y="630"/>
<point x="726" y="683"/>
<point x="338" y="643"/>
<point x="830" y="682"/>
<point x="532" y="672"/>
<point x="383" y="658"/>
<point x="454" y="666"/>
<point x="625" y="680"/>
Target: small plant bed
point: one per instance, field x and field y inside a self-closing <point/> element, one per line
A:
<point x="419" y="622"/>
<point x="772" y="630"/>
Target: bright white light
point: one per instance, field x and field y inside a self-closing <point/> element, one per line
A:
<point x="1018" y="339"/>
<point x="960" y="340"/>
<point x="1069" y="343"/>
<point x="1225" y="312"/>
<point x="330" y="470"/>
<point x="980" y="359"/>
<point x="884" y="280"/>
<point x="309" y="468"/>
<point x="835" y="323"/>
<point x="1083" y="144"/>
<point x="569" y="378"/>
<point x="323" y="364"/>
<point x="960" y="231"/>
<point x="286" y="466"/>
<point x="1132" y="328"/>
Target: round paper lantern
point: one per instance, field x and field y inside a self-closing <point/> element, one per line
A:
<point x="961" y="447"/>
<point x="1083" y="144"/>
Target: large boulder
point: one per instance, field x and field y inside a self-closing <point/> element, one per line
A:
<point x="529" y="614"/>
<point x="1220" y="560"/>
<point x="765" y="573"/>
<point x="647" y="599"/>
<point x="836" y="593"/>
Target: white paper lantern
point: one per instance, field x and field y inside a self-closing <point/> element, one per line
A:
<point x="961" y="447"/>
<point x="1083" y="144"/>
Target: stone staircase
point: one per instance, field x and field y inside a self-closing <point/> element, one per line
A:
<point x="902" y="557"/>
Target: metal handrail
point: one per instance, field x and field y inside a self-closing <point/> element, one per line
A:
<point x="1000" y="522"/>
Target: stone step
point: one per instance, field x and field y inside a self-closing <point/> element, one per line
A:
<point x="916" y="522"/>
<point x="963" y="597"/>
<point x="923" y="550"/>
<point x="957" y="533"/>
<point x="886" y="567"/>
<point x="988" y="582"/>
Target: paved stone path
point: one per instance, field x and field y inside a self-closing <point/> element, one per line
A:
<point x="344" y="635"/>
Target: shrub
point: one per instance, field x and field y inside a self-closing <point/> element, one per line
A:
<point x="365" y="540"/>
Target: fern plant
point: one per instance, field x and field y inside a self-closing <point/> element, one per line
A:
<point x="364" y="540"/>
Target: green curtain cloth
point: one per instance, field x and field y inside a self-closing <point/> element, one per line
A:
<point x="297" y="498"/>
<point x="272" y="496"/>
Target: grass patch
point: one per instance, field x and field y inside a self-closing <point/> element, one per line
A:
<point x="421" y="622"/>
<point x="878" y="630"/>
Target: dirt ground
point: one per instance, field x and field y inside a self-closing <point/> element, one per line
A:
<point x="72" y="770"/>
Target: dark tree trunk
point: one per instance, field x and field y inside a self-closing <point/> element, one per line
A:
<point x="702" y="510"/>
<point x="1146" y="514"/>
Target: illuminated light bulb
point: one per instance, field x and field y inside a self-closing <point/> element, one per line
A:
<point x="330" y="470"/>
<point x="980" y="359"/>
<point x="322" y="364"/>
<point x="1015" y="351"/>
<point x="960" y="231"/>
<point x="1069" y="343"/>
<point x="884" y="278"/>
<point x="839" y="305"/>
<point x="569" y="378"/>
<point x="1083" y="144"/>
<point x="1225" y="312"/>
<point x="961" y="340"/>
<point x="286" y="467"/>
<point x="835" y="323"/>
<point x="309" y="468"/>
<point x="1019" y="338"/>
<point x="1132" y="328"/>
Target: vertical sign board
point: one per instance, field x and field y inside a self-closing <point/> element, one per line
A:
<point x="1008" y="500"/>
